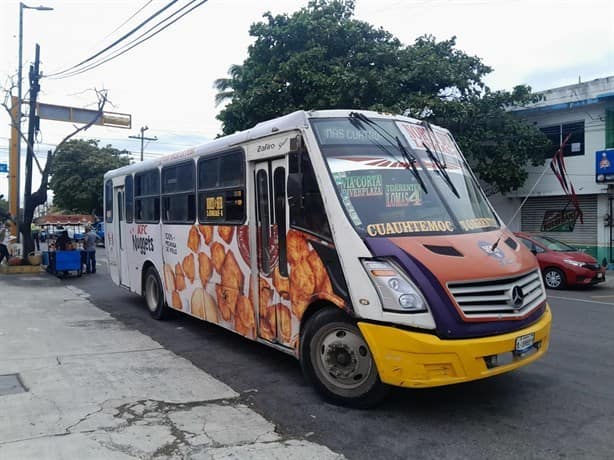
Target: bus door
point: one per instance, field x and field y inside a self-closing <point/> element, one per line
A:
<point x="121" y="232"/>
<point x="271" y="227"/>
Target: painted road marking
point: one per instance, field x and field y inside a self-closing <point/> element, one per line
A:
<point x="580" y="300"/>
<point x="601" y="296"/>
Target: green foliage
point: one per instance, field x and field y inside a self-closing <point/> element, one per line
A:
<point x="77" y="174"/>
<point x="322" y="58"/>
<point x="497" y="143"/>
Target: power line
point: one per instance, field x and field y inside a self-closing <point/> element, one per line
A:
<point x="128" y="20"/>
<point x="119" y="40"/>
<point x="118" y="54"/>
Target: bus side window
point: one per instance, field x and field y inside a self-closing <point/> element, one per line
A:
<point x="221" y="189"/>
<point x="179" y="193"/>
<point x="147" y="197"/>
<point x="108" y="201"/>
<point x="129" y="196"/>
<point x="307" y="210"/>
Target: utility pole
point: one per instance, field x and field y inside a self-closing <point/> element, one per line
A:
<point x="143" y="138"/>
<point x="33" y="126"/>
<point x="25" y="221"/>
<point x="16" y="147"/>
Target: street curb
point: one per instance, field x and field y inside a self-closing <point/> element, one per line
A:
<point x="19" y="269"/>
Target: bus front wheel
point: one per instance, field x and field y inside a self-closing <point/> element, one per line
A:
<point x="337" y="360"/>
<point x="154" y="294"/>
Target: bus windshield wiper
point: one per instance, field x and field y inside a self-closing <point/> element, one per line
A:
<point x="442" y="169"/>
<point x="411" y="163"/>
<point x="409" y="160"/>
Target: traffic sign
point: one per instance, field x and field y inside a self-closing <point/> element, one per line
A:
<point x="77" y="115"/>
<point x="4" y="167"/>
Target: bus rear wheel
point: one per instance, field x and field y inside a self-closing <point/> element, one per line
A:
<point x="337" y="360"/>
<point x="154" y="294"/>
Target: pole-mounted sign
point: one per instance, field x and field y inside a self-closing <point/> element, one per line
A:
<point x="84" y="116"/>
<point x="56" y="113"/>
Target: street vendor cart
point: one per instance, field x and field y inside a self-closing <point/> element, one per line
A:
<point x="71" y="261"/>
<point x="63" y="263"/>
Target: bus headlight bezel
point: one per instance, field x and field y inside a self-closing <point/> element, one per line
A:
<point x="397" y="292"/>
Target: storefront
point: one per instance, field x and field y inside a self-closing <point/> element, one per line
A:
<point x="583" y="114"/>
<point x="555" y="216"/>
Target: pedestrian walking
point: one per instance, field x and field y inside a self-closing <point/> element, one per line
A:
<point x="90" y="250"/>
<point x="36" y="237"/>
<point x="4" y="239"/>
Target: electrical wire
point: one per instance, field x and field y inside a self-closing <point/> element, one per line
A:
<point x="127" y="47"/>
<point x="118" y="54"/>
<point x="128" y="20"/>
<point x="119" y="40"/>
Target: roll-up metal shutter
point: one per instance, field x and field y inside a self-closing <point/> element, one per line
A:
<point x="583" y="234"/>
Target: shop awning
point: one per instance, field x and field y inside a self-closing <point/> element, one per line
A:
<point x="65" y="219"/>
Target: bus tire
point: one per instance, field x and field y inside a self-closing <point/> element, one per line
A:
<point x="336" y="359"/>
<point x="154" y="294"/>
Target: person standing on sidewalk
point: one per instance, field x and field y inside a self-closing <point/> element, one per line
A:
<point x="35" y="230"/>
<point x="90" y="250"/>
<point x="4" y="236"/>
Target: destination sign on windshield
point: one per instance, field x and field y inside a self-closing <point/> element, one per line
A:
<point x="341" y="132"/>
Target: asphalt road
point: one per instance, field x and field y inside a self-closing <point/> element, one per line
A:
<point x="559" y="407"/>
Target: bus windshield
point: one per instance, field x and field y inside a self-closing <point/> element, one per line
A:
<point x="401" y="179"/>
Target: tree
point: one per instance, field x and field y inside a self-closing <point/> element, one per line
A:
<point x="498" y="144"/>
<point x="77" y="174"/>
<point x="320" y="57"/>
<point x="34" y="199"/>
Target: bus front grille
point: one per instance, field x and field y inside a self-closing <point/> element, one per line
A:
<point x="497" y="298"/>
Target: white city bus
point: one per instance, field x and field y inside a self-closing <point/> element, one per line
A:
<point x="361" y="243"/>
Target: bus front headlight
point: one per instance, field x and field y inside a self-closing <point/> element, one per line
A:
<point x="397" y="291"/>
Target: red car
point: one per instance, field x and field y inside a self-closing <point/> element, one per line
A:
<point x="561" y="264"/>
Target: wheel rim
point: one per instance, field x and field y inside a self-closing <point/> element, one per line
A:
<point x="553" y="279"/>
<point x="152" y="292"/>
<point x="343" y="358"/>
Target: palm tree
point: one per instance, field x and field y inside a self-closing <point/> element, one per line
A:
<point x="225" y="86"/>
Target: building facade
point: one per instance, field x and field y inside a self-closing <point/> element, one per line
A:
<point x="584" y="114"/>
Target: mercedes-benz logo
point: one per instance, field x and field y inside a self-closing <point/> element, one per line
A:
<point x="517" y="296"/>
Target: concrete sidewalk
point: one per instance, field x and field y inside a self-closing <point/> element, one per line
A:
<point x="75" y="383"/>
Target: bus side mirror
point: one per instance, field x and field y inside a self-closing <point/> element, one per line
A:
<point x="295" y="185"/>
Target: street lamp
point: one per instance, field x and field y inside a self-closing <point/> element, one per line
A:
<point x="22" y="6"/>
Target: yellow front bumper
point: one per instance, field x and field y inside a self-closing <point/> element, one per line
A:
<point x="414" y="359"/>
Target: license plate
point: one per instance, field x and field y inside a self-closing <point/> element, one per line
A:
<point x="599" y="275"/>
<point x="524" y="342"/>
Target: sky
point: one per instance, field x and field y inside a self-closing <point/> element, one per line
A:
<point x="166" y="83"/>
